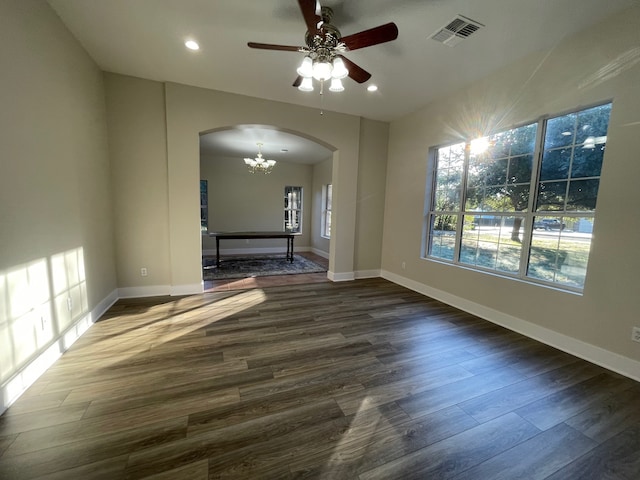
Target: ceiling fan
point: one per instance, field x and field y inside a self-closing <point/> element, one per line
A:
<point x="325" y="46"/>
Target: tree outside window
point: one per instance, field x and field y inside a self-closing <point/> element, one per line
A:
<point x="518" y="202"/>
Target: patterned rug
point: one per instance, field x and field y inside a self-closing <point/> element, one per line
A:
<point x="245" y="267"/>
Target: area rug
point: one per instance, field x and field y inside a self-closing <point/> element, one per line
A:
<point x="264" y="265"/>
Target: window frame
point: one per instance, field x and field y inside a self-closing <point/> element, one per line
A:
<point x="530" y="214"/>
<point x="327" y="199"/>
<point x="204" y="207"/>
<point x="293" y="212"/>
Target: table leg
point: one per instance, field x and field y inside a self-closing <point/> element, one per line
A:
<point x="291" y="258"/>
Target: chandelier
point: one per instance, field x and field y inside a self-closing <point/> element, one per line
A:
<point x="259" y="164"/>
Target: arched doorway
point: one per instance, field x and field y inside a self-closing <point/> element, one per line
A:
<point x="235" y="200"/>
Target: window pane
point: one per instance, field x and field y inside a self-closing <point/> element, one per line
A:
<point x="520" y="169"/>
<point x="204" y="206"/>
<point x="492" y="242"/>
<point x="560" y="131"/>
<point x="293" y="209"/>
<point x="587" y="162"/>
<point x="560" y="253"/>
<point x="593" y="123"/>
<point x="442" y="236"/>
<point x="555" y="164"/>
<point x="582" y="195"/>
<point x="329" y="195"/>
<point x="551" y="195"/>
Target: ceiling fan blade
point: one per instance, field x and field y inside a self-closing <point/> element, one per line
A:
<point x="357" y="73"/>
<point x="373" y="36"/>
<point x="311" y="18"/>
<point x="298" y="81"/>
<point x="269" y="46"/>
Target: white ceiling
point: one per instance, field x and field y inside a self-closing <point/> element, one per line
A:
<point x="145" y="38"/>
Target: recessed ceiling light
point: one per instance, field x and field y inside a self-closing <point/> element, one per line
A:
<point x="284" y="150"/>
<point x="372" y="88"/>
<point x="192" y="45"/>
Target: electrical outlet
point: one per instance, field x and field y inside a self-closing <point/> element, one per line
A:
<point x="143" y="272"/>
<point x="635" y="334"/>
<point x="404" y="265"/>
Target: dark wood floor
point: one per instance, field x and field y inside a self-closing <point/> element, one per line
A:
<point x="353" y="380"/>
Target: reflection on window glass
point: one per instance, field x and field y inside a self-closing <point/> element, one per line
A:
<point x="443" y="236"/>
<point x="327" y="194"/>
<point x="487" y="242"/>
<point x="560" y="254"/>
<point x="204" y="206"/>
<point x="573" y="149"/>
<point x="515" y="197"/>
<point x="293" y="209"/>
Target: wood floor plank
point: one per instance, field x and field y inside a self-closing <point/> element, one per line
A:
<point x="387" y="441"/>
<point x="507" y="399"/>
<point x="457" y="454"/>
<point x="220" y="441"/>
<point x="362" y="379"/>
<point x="435" y="399"/>
<point x="560" y="406"/>
<point x="24" y="422"/>
<point x="616" y="459"/>
<point x="99" y="448"/>
<point x="380" y="394"/>
<point x="103" y="470"/>
<point x="535" y="459"/>
<point x="609" y="416"/>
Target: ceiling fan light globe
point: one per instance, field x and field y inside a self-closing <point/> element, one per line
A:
<point x="339" y="70"/>
<point x="322" y="70"/>
<point x="336" y="85"/>
<point x="306" y="85"/>
<point x="306" y="67"/>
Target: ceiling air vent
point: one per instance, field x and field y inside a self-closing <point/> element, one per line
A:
<point x="456" y="31"/>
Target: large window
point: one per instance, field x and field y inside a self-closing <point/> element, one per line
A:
<point x="520" y="202"/>
<point x="327" y="193"/>
<point x="293" y="209"/>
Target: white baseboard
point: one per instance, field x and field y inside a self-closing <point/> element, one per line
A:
<point x="140" y="292"/>
<point x="340" y="277"/>
<point x="367" y="274"/>
<point x="26" y="376"/>
<point x="192" y="289"/>
<point x="605" y="358"/>
<point x="320" y="253"/>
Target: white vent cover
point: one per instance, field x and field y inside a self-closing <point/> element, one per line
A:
<point x="457" y="30"/>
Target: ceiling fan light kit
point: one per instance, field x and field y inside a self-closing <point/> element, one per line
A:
<point x="325" y="45"/>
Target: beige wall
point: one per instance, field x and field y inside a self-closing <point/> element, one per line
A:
<point x="372" y="171"/>
<point x="137" y="145"/>
<point x="192" y="110"/>
<point x="597" y="65"/>
<point x="240" y="201"/>
<point x="322" y="173"/>
<point x="171" y="246"/>
<point x="56" y="235"/>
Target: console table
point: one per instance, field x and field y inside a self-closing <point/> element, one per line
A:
<point x="253" y="235"/>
